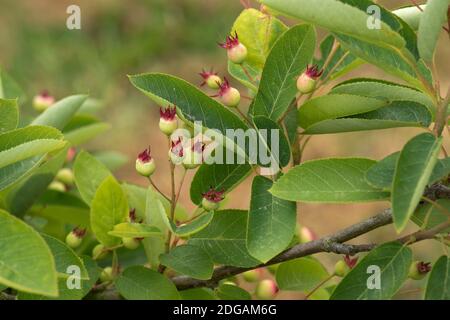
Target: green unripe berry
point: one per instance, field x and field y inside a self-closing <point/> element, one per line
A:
<point x="231" y="97"/>
<point x="237" y="54"/>
<point x="266" y="289"/>
<point x="145" y="169"/>
<point x="213" y="81"/>
<point x="418" y="270"/>
<point x="65" y="176"/>
<point x="130" y="243"/>
<point x="99" y="252"/>
<point x="106" y="275"/>
<point x="42" y="102"/>
<point x="168" y="126"/>
<point x="341" y="268"/>
<point x="210" y="205"/>
<point x="252" y="275"/>
<point x="192" y="158"/>
<point x="57" y="186"/>
<point x="72" y="240"/>
<point x="305" y="84"/>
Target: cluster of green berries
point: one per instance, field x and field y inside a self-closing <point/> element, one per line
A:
<point x="265" y="289"/>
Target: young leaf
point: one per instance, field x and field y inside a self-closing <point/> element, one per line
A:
<point x="65" y="257"/>
<point x="337" y="17"/>
<point x="413" y="170"/>
<point x="139" y="283"/>
<point x="289" y="56"/>
<point x="394" y="115"/>
<point x="375" y="88"/>
<point x="26" y="264"/>
<point x="9" y="115"/>
<point x="17" y="171"/>
<point x="134" y="230"/>
<point x="191" y="102"/>
<point x="302" y="274"/>
<point x="189" y="260"/>
<point x="185" y="230"/>
<point x="89" y="173"/>
<point x="334" y="106"/>
<point x="220" y="176"/>
<point x="431" y="22"/>
<point x="384" y="269"/>
<point x="271" y="221"/>
<point x="61" y="112"/>
<point x="232" y="292"/>
<point x="109" y="208"/>
<point x="24" y="143"/>
<point x="335" y="180"/>
<point x="224" y="239"/>
<point x="438" y="285"/>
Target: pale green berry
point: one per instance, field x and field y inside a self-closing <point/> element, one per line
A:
<point x="57" y="186"/>
<point x="237" y="54"/>
<point x="168" y="126"/>
<point x="75" y="237"/>
<point x="252" y="275"/>
<point x="213" y="81"/>
<point x="341" y="268"/>
<point x="42" y="101"/>
<point x="418" y="270"/>
<point x="130" y="243"/>
<point x="305" y="84"/>
<point x="99" y="252"/>
<point x="266" y="290"/>
<point x="106" y="275"/>
<point x="65" y="176"/>
<point x="210" y="205"/>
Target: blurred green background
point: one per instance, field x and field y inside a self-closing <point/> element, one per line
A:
<point x="171" y="36"/>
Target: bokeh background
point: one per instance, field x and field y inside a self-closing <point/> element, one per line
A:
<point x="179" y="37"/>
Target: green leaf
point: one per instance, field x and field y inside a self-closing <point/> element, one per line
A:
<point x="335" y="180"/>
<point x="66" y="293"/>
<point x="428" y="216"/>
<point x="382" y="173"/>
<point x="85" y="132"/>
<point x="189" y="260"/>
<point x="393" y="260"/>
<point x="232" y="292"/>
<point x="290" y="55"/>
<point x="337" y="17"/>
<point x="334" y="106"/>
<point x="89" y="173"/>
<point x="61" y="112"/>
<point x="413" y="170"/>
<point x="394" y="115"/>
<point x="237" y="72"/>
<point x="139" y="283"/>
<point x="134" y="230"/>
<point x="16" y="171"/>
<point x="64" y="258"/>
<point x="438" y="285"/>
<point x="431" y="22"/>
<point x="224" y="239"/>
<point x="185" y="230"/>
<point x="109" y="208"/>
<point x="21" y="196"/>
<point x="278" y="154"/>
<point x="271" y="221"/>
<point x="302" y="274"/>
<point x="26" y="262"/>
<point x="9" y="115"/>
<point x="390" y="91"/>
<point x="198" y="294"/>
<point x="190" y="101"/>
<point x="24" y="143"/>
<point x="220" y="176"/>
<point x="9" y="89"/>
<point x="258" y="32"/>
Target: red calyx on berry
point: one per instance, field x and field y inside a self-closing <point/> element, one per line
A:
<point x="306" y="82"/>
<point x="194" y="155"/>
<point x="176" y="152"/>
<point x="145" y="165"/>
<point x="75" y="237"/>
<point x="236" y="51"/>
<point x="211" y="199"/>
<point x="168" y="120"/>
<point x="43" y="101"/>
<point x="419" y="269"/>
<point x="342" y="267"/>
<point x="210" y="78"/>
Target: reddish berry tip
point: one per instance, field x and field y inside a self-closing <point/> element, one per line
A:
<point x="313" y="72"/>
<point x="79" y="232"/>
<point x="423" y="267"/>
<point x="224" y="87"/>
<point x="206" y="75"/>
<point x="230" y="42"/>
<point x="177" y="147"/>
<point x="168" y="113"/>
<point x="350" y="262"/>
<point x="145" y="156"/>
<point x="213" y="195"/>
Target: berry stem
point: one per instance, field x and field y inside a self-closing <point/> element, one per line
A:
<point x="319" y="286"/>
<point x="157" y="189"/>
<point x="180" y="186"/>
<point x="243" y="116"/>
<point x="115" y="264"/>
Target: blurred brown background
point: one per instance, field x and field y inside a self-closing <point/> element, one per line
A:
<point x="179" y="37"/>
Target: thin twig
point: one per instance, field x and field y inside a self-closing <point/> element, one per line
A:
<point x="157" y="189"/>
